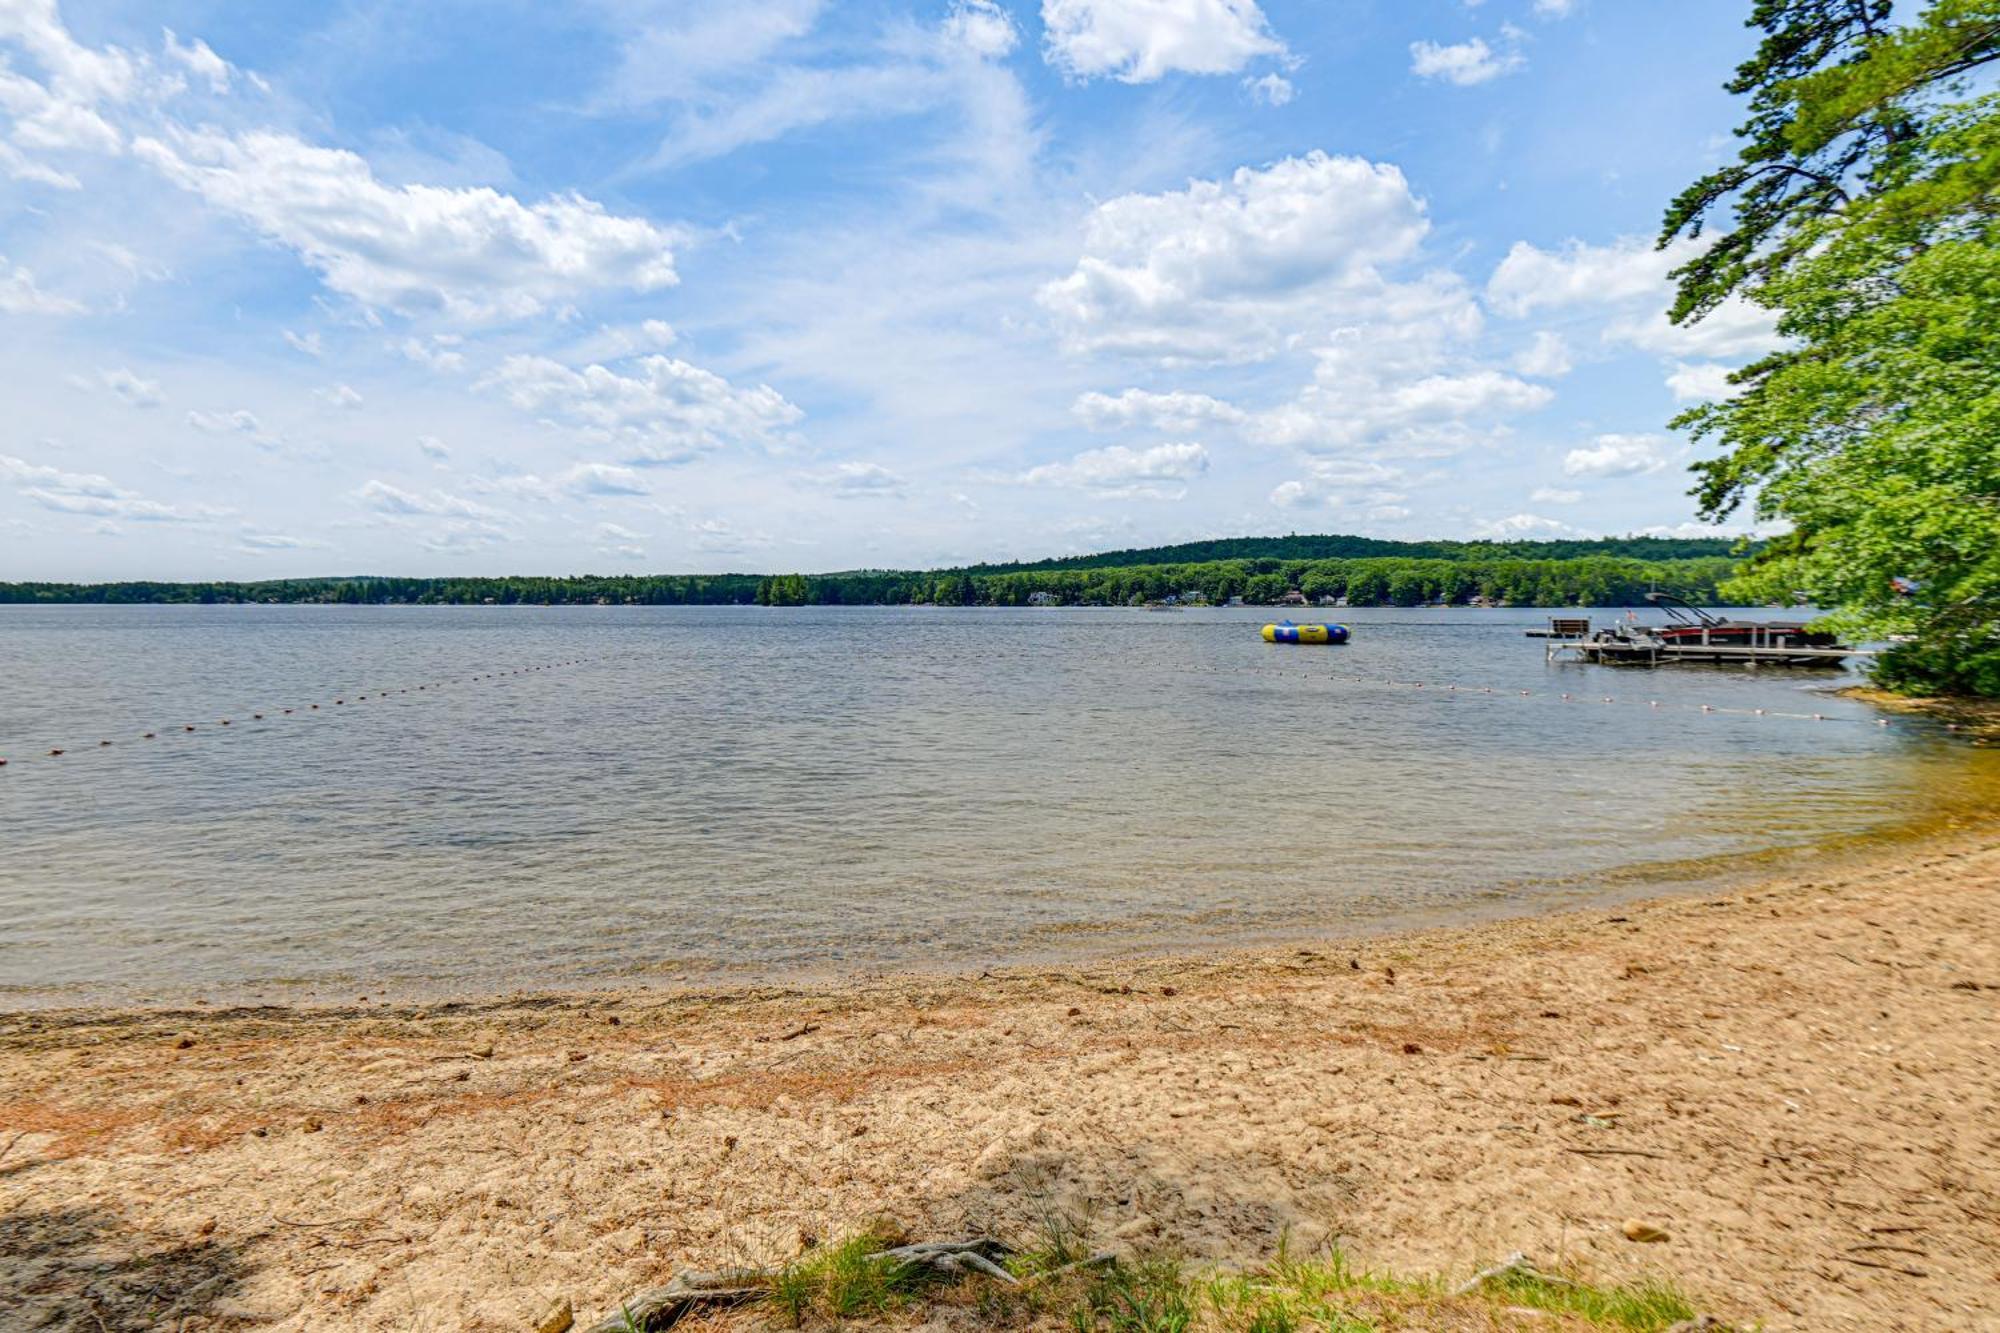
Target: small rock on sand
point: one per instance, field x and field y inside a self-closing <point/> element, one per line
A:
<point x="1644" y="1232"/>
<point x="559" y="1319"/>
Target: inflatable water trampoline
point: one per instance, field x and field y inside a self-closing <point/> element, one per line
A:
<point x="1290" y="633"/>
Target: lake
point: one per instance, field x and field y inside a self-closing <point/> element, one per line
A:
<point x="692" y="794"/>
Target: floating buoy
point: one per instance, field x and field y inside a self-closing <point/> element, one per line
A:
<point x="189" y="727"/>
<point x="102" y="744"/>
<point x="54" y="753"/>
<point x="148" y="736"/>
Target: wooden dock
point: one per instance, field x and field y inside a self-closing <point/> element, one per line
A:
<point x="1637" y="651"/>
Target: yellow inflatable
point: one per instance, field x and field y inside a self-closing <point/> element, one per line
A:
<point x="1290" y="633"/>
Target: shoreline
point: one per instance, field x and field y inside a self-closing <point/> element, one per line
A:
<point x="1768" y="1071"/>
<point x="1637" y="882"/>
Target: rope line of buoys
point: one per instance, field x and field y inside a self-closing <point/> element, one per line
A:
<point x="56" y="752"/>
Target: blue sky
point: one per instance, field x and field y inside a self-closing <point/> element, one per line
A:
<point x="638" y="285"/>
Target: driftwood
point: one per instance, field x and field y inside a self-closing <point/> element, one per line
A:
<point x="663" y="1307"/>
<point x="1516" y="1264"/>
<point x="954" y="1258"/>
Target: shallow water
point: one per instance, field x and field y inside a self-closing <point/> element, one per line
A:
<point x="722" y="792"/>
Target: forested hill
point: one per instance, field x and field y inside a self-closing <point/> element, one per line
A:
<point x="1258" y="570"/>
<point x="1336" y="546"/>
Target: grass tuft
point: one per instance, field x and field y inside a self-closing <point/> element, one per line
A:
<point x="847" y="1281"/>
<point x="1643" y="1307"/>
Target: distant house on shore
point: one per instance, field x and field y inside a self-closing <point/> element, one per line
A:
<point x="1043" y="599"/>
<point x="1292" y="597"/>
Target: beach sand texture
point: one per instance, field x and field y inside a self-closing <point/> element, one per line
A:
<point x="1798" y="1082"/>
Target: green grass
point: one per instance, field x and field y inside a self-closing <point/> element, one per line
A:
<point x="846" y="1281"/>
<point x="1322" y="1293"/>
<point x="1641" y="1306"/>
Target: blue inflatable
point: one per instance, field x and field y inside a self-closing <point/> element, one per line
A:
<point x="1290" y="633"/>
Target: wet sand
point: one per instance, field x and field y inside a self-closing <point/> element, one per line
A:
<point x="1797" y="1081"/>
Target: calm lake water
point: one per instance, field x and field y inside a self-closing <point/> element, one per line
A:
<point x="714" y="793"/>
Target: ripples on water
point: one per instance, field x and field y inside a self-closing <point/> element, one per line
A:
<point x="735" y="791"/>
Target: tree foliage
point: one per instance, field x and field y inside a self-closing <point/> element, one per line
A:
<point x="1592" y="580"/>
<point x="1863" y="204"/>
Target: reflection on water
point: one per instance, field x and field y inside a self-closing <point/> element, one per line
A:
<point x="750" y="792"/>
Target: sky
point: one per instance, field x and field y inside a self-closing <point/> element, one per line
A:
<point x="630" y="286"/>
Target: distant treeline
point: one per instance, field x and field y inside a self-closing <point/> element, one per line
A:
<point x="1368" y="581"/>
<point x="1577" y="580"/>
<point x="1340" y="547"/>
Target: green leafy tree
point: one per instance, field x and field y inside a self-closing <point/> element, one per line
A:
<point x="1863" y="204"/>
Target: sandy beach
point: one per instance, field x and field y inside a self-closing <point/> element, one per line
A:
<point x="1795" y="1081"/>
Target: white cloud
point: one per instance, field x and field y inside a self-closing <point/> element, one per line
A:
<point x="387" y="499"/>
<point x="307" y="343"/>
<point x="669" y="411"/>
<point x="91" y="494"/>
<point x="240" y="422"/>
<point x="603" y="479"/>
<point x="1517" y="527"/>
<point x="1339" y="482"/>
<point x="1220" y="270"/>
<point x="1270" y="89"/>
<point x="430" y="446"/>
<point x="460" y="536"/>
<point x="1630" y="280"/>
<point x="21" y="167"/>
<point x="436" y="354"/>
<point x="1553" y="495"/>
<point x="982" y="27"/>
<point x="758" y="94"/>
<point x="257" y="542"/>
<point x="1179" y="411"/>
<point x="1463" y="63"/>
<point x="1699" y="381"/>
<point x="471" y="253"/>
<point x="218" y="422"/>
<point x="720" y="537"/>
<point x="1139" y="41"/>
<point x="1616" y="456"/>
<point x="614" y="540"/>
<point x="855" y="479"/>
<point x="20" y="296"/>
<point x="1364" y="397"/>
<point x="1160" y="472"/>
<point x="340" y="397"/>
<point x="1554" y="9"/>
<point x="583" y="480"/>
<point x="131" y="389"/>
<point x="61" y="112"/>
<point x="1530" y="279"/>
<point x="1735" y="328"/>
<point x="1546" y="356"/>
<point x="200" y="61"/>
<point x="673" y="52"/>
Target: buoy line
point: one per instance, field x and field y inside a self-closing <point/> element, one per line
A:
<point x="186" y="728"/>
